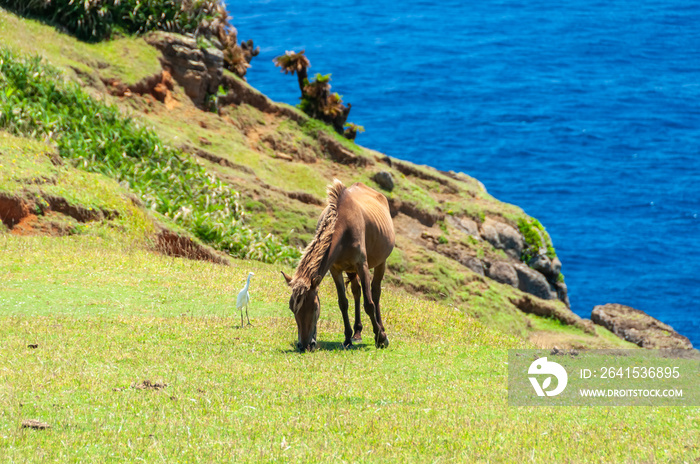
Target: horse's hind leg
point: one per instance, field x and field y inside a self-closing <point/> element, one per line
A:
<point x="357" y="294"/>
<point x="343" y="304"/>
<point x="376" y="296"/>
<point x="380" y="339"/>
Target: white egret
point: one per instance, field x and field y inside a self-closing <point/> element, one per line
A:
<point x="243" y="299"/>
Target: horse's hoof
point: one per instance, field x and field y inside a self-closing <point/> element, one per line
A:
<point x="347" y="344"/>
<point x="357" y="338"/>
<point x="382" y="342"/>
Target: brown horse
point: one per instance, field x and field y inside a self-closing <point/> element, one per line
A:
<point x="354" y="234"/>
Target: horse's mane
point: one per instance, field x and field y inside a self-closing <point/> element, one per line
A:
<point x="315" y="252"/>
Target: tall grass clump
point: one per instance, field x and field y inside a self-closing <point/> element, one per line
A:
<point x="36" y="102"/>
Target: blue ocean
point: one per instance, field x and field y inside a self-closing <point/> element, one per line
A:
<point x="585" y="114"/>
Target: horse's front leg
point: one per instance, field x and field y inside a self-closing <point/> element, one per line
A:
<point x="343" y="304"/>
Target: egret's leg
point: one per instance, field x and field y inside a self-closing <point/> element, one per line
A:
<point x="241" y="317"/>
<point x="246" y="315"/>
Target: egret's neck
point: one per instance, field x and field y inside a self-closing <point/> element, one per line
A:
<point x="247" y="282"/>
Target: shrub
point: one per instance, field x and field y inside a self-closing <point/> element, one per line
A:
<point x="536" y="238"/>
<point x="34" y="101"/>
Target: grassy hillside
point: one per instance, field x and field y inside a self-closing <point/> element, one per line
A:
<point x="105" y="318"/>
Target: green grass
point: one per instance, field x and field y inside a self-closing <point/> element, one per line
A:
<point x="128" y="59"/>
<point x="107" y="314"/>
<point x="26" y="171"/>
<point x="24" y="161"/>
<point x="290" y="220"/>
<point x="106" y="317"/>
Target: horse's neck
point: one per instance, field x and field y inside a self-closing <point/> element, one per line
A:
<point x="330" y="256"/>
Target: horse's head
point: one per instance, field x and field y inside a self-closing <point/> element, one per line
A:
<point x="305" y="305"/>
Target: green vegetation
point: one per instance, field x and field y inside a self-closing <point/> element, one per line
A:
<point x="105" y="318"/>
<point x="96" y="137"/>
<point x="536" y="238"/>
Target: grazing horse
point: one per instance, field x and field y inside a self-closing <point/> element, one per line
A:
<point x="354" y="234"/>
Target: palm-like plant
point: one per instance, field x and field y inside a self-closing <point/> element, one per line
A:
<point x="318" y="90"/>
<point x="333" y="106"/>
<point x="316" y="98"/>
<point x="291" y="63"/>
<point x="351" y="130"/>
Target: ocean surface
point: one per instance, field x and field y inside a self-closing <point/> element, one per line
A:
<point x="585" y="114"/>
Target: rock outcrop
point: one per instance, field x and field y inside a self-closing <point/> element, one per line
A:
<point x="502" y="272"/>
<point x="638" y="327"/>
<point x="198" y="70"/>
<point x="531" y="305"/>
<point x="385" y="180"/>
<point x="540" y="277"/>
<point x="532" y="282"/>
<point x="466" y="225"/>
<point x="503" y="237"/>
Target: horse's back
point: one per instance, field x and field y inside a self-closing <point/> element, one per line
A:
<point x="374" y="221"/>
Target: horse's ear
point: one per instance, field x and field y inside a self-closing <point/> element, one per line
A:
<point x="287" y="278"/>
<point x="317" y="281"/>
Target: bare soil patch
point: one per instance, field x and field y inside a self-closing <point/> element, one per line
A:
<point x="13" y="209"/>
<point x="78" y="212"/>
<point x="52" y="224"/>
<point x="159" y="86"/>
<point x="172" y="244"/>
